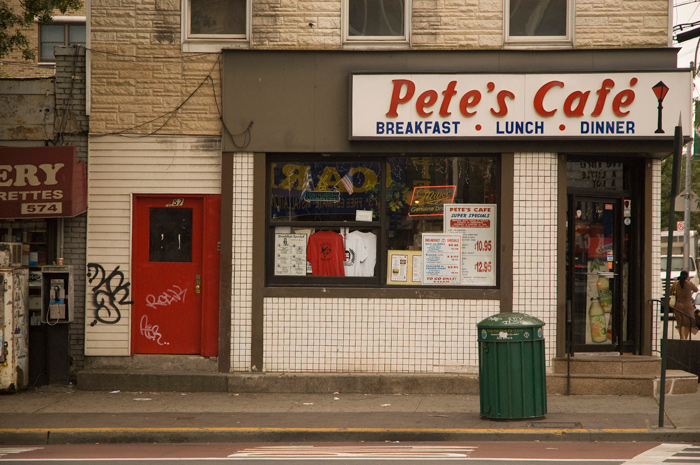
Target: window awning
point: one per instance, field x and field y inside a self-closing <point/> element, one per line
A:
<point x="42" y="182"/>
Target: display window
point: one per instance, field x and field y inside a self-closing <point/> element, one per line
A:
<point x="425" y="220"/>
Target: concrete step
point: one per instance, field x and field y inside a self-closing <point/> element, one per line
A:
<point x="614" y="374"/>
<point x="319" y="383"/>
<point x="677" y="382"/>
<point x="591" y="374"/>
<point x="615" y="365"/>
<point x="160" y="363"/>
<point x="645" y="385"/>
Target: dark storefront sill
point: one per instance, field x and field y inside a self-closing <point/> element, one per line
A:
<point x="383" y="293"/>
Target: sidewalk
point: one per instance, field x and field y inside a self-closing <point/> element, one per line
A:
<point x="63" y="414"/>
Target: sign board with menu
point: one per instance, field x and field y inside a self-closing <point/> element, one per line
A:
<point x="476" y="224"/>
<point x="442" y="257"/>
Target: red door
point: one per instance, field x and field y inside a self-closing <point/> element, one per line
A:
<point x="174" y="275"/>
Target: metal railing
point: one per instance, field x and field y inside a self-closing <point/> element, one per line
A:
<point x="676" y="359"/>
<point x="657" y="322"/>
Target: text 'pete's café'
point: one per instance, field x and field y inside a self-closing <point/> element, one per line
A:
<point x="406" y="196"/>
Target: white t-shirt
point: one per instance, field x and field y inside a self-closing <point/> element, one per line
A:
<point x="360" y="253"/>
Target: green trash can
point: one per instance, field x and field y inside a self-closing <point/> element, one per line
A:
<point x="512" y="378"/>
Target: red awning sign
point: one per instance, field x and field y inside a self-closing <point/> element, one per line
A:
<point x="41" y="182"/>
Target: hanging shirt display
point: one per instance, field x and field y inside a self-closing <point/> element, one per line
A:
<point x="326" y="253"/>
<point x="360" y="253"/>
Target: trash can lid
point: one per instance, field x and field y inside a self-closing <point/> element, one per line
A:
<point x="507" y="327"/>
<point x="510" y="320"/>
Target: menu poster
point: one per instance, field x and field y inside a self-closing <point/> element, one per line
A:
<point x="476" y="224"/>
<point x="442" y="259"/>
<point x="405" y="267"/>
<point x="290" y="254"/>
<point x="417" y="267"/>
<point x="399" y="268"/>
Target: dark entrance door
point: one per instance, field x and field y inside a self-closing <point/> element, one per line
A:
<point x="604" y="314"/>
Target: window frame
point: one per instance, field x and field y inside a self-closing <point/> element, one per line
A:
<point x="66" y="22"/>
<point x="375" y="41"/>
<point x="379" y="227"/>
<point x="211" y="43"/>
<point x="563" y="41"/>
<point x="376" y="226"/>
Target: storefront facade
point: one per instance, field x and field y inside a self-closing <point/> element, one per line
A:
<point x="43" y="198"/>
<point x="381" y="204"/>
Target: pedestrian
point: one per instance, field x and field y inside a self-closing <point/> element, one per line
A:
<point x="684" y="309"/>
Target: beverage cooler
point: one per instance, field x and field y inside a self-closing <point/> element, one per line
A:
<point x="14" y="322"/>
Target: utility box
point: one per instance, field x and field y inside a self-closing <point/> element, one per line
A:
<point x="512" y="378"/>
<point x="57" y="294"/>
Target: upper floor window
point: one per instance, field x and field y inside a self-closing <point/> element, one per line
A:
<point x="538" y="22"/>
<point x="376" y="21"/>
<point x="60" y="33"/>
<point x="208" y="25"/>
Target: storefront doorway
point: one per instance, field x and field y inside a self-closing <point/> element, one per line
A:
<point x="603" y="262"/>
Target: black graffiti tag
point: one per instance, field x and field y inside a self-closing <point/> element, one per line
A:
<point x="106" y="291"/>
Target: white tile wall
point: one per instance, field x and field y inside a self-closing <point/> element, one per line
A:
<point x="373" y="335"/>
<point x="398" y="335"/>
<point x="656" y="288"/>
<point x="535" y="241"/>
<point x="242" y="262"/>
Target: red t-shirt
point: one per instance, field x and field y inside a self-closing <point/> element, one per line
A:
<point x="326" y="253"/>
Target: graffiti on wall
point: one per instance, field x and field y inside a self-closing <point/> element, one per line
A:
<point x="109" y="291"/>
<point x="151" y="332"/>
<point x="174" y="294"/>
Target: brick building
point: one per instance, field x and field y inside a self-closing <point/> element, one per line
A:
<point x="45" y="124"/>
<point x="230" y="140"/>
<point x="67" y="29"/>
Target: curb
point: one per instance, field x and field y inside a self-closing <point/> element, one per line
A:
<point x="42" y="436"/>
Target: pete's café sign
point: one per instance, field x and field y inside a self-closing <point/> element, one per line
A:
<point x="596" y="105"/>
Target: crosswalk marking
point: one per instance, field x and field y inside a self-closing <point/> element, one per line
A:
<point x="687" y="455"/>
<point x="16" y="450"/>
<point x="404" y="452"/>
<point x="667" y="453"/>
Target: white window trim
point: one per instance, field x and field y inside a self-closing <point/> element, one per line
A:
<point x="374" y="42"/>
<point x="565" y="41"/>
<point x="66" y="19"/>
<point x="211" y="43"/>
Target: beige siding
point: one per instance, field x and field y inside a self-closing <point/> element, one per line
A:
<point x="120" y="167"/>
<point x="298" y="24"/>
<point x="621" y="24"/>
<point x="457" y="25"/>
<point x="152" y="90"/>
